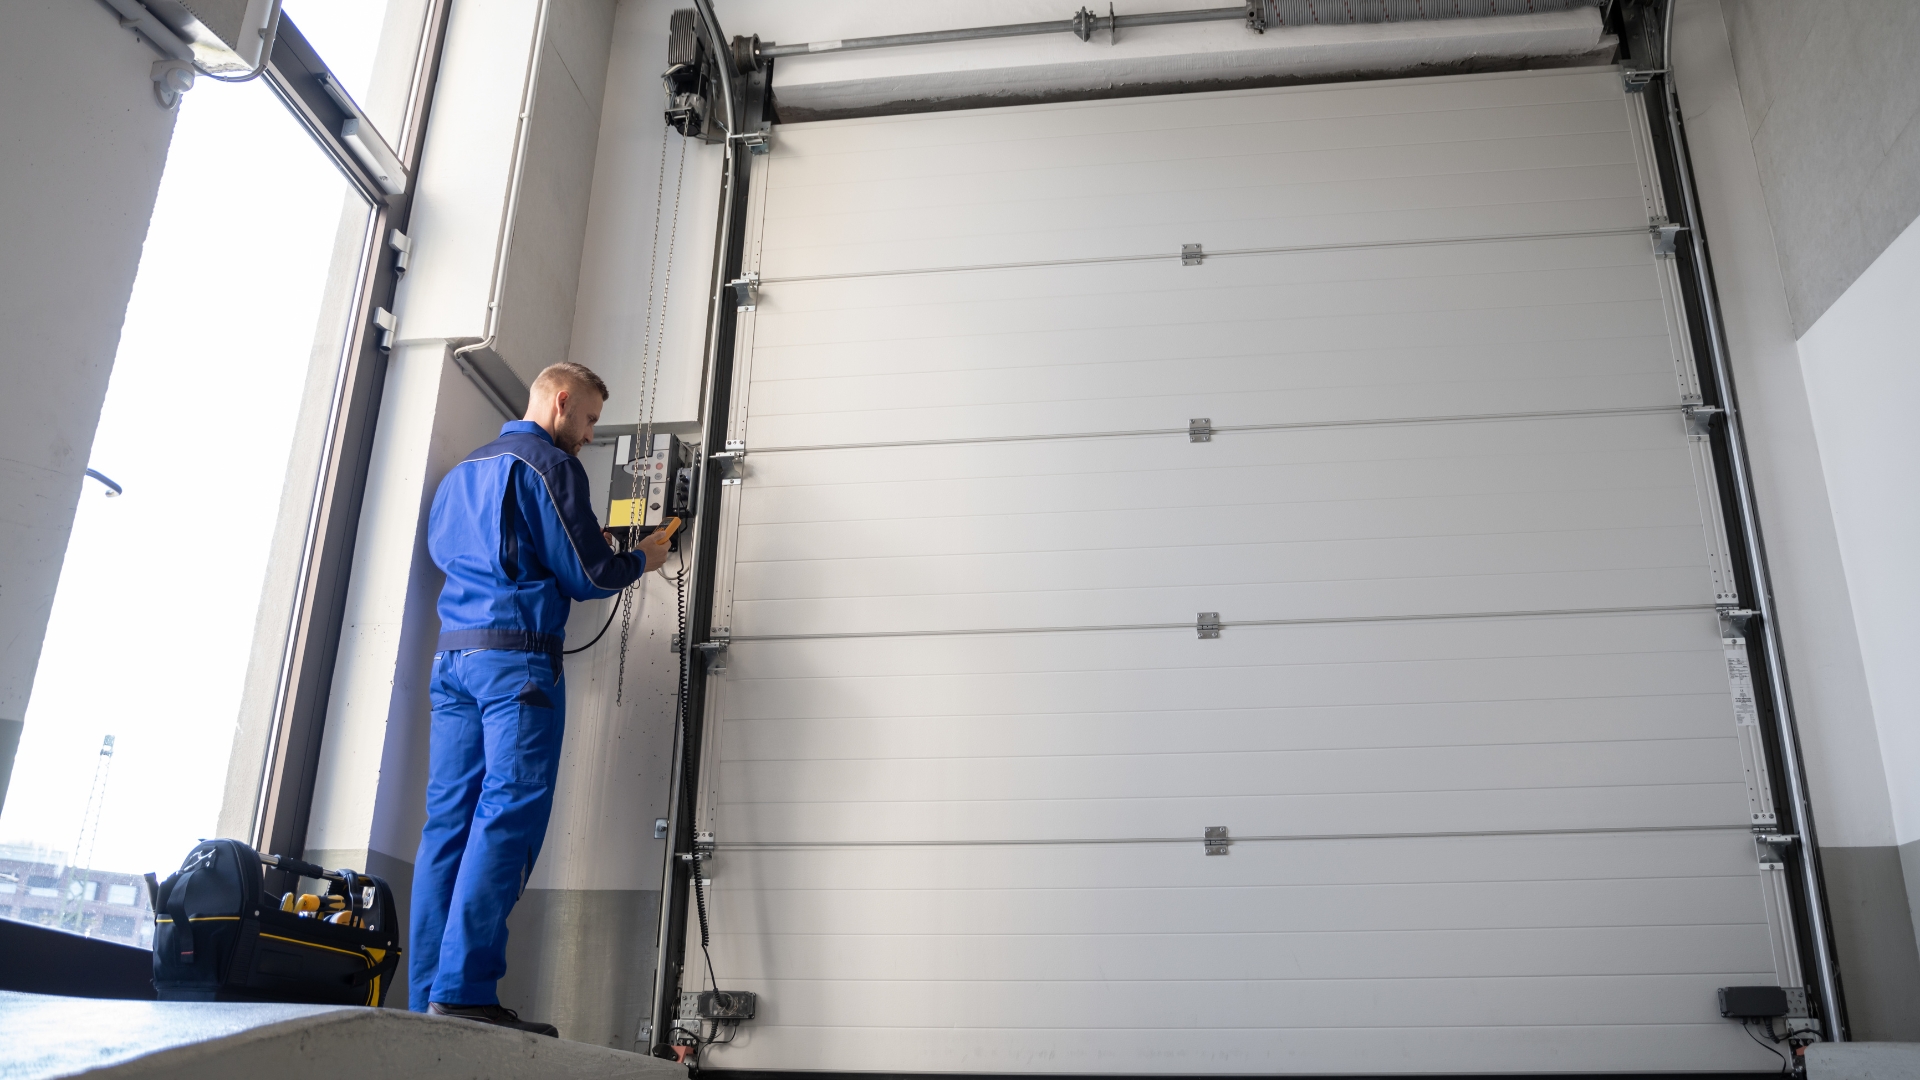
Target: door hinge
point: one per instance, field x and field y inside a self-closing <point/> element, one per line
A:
<point x="388" y="324"/>
<point x="402" y="246"/>
<point x="1208" y="624"/>
<point x="1191" y="255"/>
<point x="1200" y="429"/>
<point x="1217" y="840"/>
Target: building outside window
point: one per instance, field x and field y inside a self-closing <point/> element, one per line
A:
<point x="144" y="732"/>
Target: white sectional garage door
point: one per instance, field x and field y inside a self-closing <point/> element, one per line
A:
<point x="1467" y="721"/>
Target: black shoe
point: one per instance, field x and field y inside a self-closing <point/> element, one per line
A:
<point x="496" y="1015"/>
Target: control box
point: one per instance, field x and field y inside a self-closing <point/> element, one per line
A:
<point x="648" y="488"/>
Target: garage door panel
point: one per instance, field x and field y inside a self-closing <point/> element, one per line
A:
<point x="961" y="611"/>
<point x="1058" y="878"/>
<point x="1363" y="281"/>
<point x="1254" y="730"/>
<point x="1035" y="904"/>
<point x="952" y="840"/>
<point x="1186" y="1005"/>
<point x="1160" y="686"/>
<point x="1275" y="387"/>
<point x="1143" y="203"/>
<point x="1067" y="244"/>
<point x="1236" y="773"/>
<point x="1634" y="806"/>
<point x="1240" y="468"/>
<point x="813" y="161"/>
<point x="1685" y="638"/>
<point x="1486" y="321"/>
<point x="1199" y="955"/>
<point x="1144" y="118"/>
<point x="1398" y="559"/>
<point x="1173" y="1050"/>
<point x="960" y="533"/>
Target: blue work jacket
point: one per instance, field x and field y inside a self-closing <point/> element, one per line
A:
<point x="513" y="528"/>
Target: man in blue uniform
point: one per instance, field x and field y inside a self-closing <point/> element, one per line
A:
<point x="513" y="528"/>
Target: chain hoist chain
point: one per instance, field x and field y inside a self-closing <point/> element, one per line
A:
<point x="650" y="358"/>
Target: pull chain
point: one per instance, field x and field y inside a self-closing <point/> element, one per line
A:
<point x="650" y="358"/>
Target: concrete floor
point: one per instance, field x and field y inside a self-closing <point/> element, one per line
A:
<point x="46" y="1037"/>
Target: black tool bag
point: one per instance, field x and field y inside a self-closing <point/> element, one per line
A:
<point x="220" y="936"/>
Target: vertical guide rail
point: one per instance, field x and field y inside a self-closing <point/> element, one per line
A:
<point x="1806" y="858"/>
<point x="716" y="401"/>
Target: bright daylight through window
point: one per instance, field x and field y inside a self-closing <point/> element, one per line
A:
<point x="168" y="628"/>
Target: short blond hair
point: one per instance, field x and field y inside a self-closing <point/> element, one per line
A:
<point x="564" y="376"/>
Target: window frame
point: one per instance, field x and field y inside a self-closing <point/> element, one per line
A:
<point x="291" y="763"/>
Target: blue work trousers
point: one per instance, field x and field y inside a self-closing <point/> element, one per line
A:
<point x="498" y="716"/>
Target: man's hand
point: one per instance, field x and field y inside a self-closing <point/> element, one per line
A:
<point x="654" y="545"/>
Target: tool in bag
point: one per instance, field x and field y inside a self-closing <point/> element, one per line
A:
<point x="220" y="936"/>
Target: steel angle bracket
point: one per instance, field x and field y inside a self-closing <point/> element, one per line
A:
<point x="746" y="290"/>
<point x="1666" y="237"/>
<point x="732" y="463"/>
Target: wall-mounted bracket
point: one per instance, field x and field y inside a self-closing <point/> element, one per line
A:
<point x="1192" y="255"/>
<point x="1666" y="237"/>
<point x="1217" y="840"/>
<point x="746" y="290"/>
<point x="1200" y="429"/>
<point x="1208" y="624"/>
<point x="1257" y="16"/>
<point x="1636" y="79"/>
<point x="756" y="142"/>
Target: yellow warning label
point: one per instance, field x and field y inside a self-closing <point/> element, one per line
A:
<point x="622" y="512"/>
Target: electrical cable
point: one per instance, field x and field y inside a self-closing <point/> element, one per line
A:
<point x="1786" y="1064"/>
<point x="611" y="612"/>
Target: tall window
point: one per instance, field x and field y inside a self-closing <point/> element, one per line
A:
<point x="171" y="612"/>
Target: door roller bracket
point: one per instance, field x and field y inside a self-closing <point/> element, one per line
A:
<point x="715" y="650"/>
<point x="746" y="290"/>
<point x="732" y="463"/>
<point x="1700" y="418"/>
<point x="1666" y="236"/>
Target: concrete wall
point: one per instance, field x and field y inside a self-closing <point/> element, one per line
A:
<point x="1854" y="813"/>
<point x="1862" y="367"/>
<point x="84" y="143"/>
<point x="1832" y="93"/>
